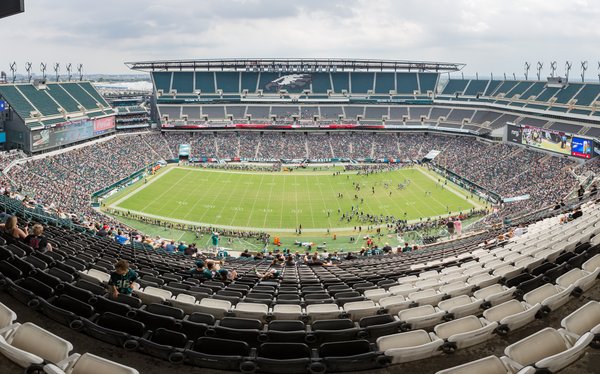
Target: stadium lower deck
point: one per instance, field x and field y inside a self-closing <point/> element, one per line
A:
<point x="536" y="289"/>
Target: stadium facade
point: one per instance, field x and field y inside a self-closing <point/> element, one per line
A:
<point x="371" y="95"/>
<point x="44" y="116"/>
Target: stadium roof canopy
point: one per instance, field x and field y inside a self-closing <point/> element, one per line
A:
<point x="295" y="65"/>
<point x="54" y="102"/>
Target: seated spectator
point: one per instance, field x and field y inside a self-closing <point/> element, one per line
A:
<point x="289" y="260"/>
<point x="12" y="231"/>
<point x="223" y="274"/>
<point x="170" y="247"/>
<point x="200" y="271"/>
<point x="37" y="241"/>
<point x="269" y="274"/>
<point x="122" y="280"/>
<point x="577" y="213"/>
<point x="102" y="231"/>
<point x="190" y="250"/>
<point x="120" y="238"/>
<point x="245" y="254"/>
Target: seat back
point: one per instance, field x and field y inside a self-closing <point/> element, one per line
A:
<point x="284" y="351"/>
<point x="202" y="318"/>
<point x="486" y="365"/>
<point x="165" y="310"/>
<point x="375" y="320"/>
<point x="498" y="312"/>
<point x="169" y="337"/>
<point x="240" y="323"/>
<point x="123" y="324"/>
<point x="221" y="347"/>
<point x="332" y="324"/>
<point x="416" y="312"/>
<point x="283" y="325"/>
<point x="539" y="294"/>
<point x="344" y="349"/>
<point x="583" y="319"/>
<point x="102" y="304"/>
<point x="89" y="363"/>
<point x="457" y="326"/>
<point x="403" y="340"/>
<point x="533" y="348"/>
<point x="33" y="339"/>
<point x="73" y="305"/>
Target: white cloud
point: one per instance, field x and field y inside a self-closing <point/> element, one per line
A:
<point x="487" y="35"/>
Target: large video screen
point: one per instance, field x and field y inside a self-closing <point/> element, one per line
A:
<point x="71" y="132"/>
<point x="514" y="134"/>
<point x="550" y="140"/>
<point x="581" y="147"/>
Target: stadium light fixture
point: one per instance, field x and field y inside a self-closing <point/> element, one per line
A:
<point x="28" y="67"/>
<point x="568" y="65"/>
<point x="540" y="66"/>
<point x="584" y="67"/>
<point x="13" y="71"/>
<point x="69" y="71"/>
<point x="57" y="71"/>
<point x="43" y="69"/>
<point x="527" y="67"/>
<point x="552" y="68"/>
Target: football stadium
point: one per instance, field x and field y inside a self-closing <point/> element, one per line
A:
<point x="299" y="215"/>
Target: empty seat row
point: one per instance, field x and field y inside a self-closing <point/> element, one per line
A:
<point x="28" y="345"/>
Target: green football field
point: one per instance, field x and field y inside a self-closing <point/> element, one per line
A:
<point x="281" y="202"/>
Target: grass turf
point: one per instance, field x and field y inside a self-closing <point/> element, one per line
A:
<point x="280" y="202"/>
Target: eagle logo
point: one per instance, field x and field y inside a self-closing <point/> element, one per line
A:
<point x="289" y="82"/>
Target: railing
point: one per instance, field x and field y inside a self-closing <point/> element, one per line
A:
<point x="38" y="213"/>
<point x="467" y="184"/>
<point x="134" y="177"/>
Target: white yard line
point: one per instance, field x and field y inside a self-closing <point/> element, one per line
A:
<point x="132" y="193"/>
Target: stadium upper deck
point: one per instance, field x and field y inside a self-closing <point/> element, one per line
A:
<point x="43" y="116"/>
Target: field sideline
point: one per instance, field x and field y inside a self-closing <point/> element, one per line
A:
<point x="280" y="202"/>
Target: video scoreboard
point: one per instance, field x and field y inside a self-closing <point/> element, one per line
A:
<point x="550" y="140"/>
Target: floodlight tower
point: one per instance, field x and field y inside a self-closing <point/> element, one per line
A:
<point x="527" y="67"/>
<point x="13" y="71"/>
<point x="57" y="71"/>
<point x="552" y="68"/>
<point x="28" y="67"/>
<point x="584" y="67"/>
<point x="43" y="69"/>
<point x="540" y="66"/>
<point x="69" y="71"/>
<point x="568" y="65"/>
<point x="80" y="71"/>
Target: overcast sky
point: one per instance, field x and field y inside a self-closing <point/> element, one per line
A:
<point x="488" y="35"/>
